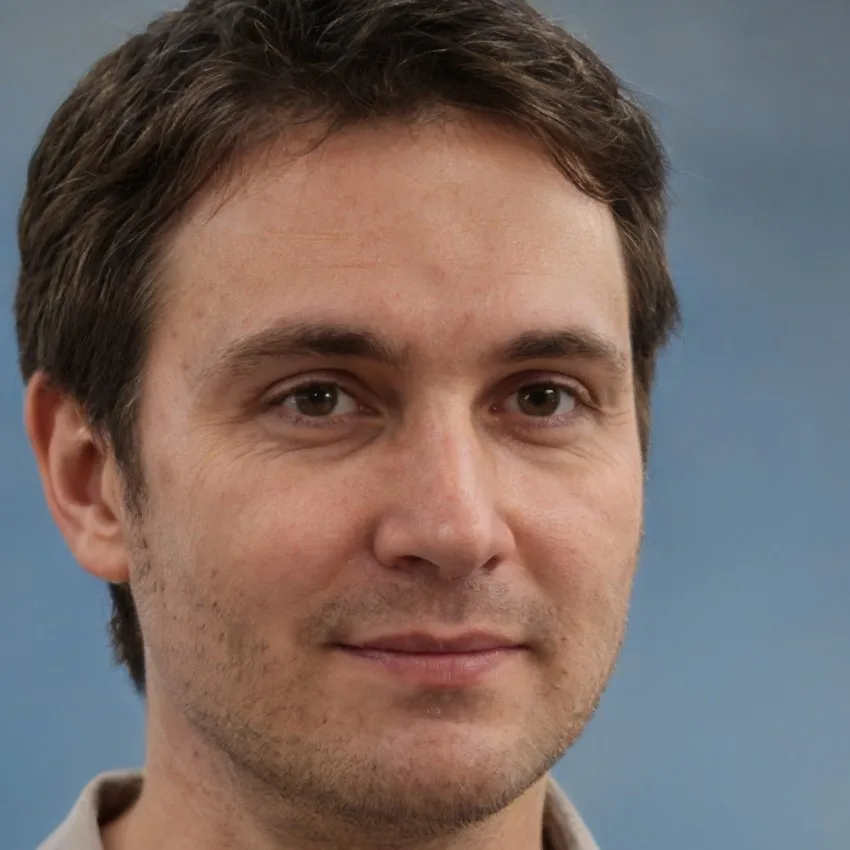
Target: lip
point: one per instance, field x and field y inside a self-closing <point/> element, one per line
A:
<point x="433" y="669"/>
<point x="427" y="660"/>
<point x="426" y="642"/>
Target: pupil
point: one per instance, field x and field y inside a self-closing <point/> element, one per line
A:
<point x="316" y="400"/>
<point x="541" y="395"/>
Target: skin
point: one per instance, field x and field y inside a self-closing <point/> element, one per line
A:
<point x="434" y="496"/>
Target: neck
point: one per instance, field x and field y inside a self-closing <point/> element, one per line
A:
<point x="194" y="798"/>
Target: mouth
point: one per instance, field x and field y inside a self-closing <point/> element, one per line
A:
<point x="428" y="660"/>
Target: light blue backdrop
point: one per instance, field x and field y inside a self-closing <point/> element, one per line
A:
<point x="726" y="724"/>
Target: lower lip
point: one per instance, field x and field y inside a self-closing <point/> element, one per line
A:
<point x="436" y="669"/>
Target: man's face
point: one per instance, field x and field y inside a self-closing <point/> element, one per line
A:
<point x="457" y="490"/>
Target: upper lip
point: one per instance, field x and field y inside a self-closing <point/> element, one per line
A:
<point x="426" y="642"/>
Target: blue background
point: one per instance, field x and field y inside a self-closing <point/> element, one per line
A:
<point x="726" y="724"/>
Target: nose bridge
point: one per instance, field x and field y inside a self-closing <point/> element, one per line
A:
<point x="453" y="475"/>
<point x="443" y="507"/>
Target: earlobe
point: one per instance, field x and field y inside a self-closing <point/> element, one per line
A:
<point x="78" y="476"/>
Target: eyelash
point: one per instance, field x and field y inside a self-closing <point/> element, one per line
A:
<point x="582" y="401"/>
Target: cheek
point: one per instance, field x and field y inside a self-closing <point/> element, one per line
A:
<point x="265" y="541"/>
<point x="586" y="543"/>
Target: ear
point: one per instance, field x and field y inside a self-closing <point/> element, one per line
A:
<point x="80" y="479"/>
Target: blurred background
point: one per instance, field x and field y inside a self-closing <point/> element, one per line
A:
<point x="726" y="723"/>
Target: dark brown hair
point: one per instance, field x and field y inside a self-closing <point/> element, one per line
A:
<point x="155" y="120"/>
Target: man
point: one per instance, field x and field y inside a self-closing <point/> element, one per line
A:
<point x="339" y="322"/>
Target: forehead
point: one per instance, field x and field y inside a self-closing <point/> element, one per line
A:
<point x="447" y="235"/>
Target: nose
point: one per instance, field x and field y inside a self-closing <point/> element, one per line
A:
<point x="442" y="513"/>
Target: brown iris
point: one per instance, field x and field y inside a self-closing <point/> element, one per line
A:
<point x="539" y="399"/>
<point x="316" y="399"/>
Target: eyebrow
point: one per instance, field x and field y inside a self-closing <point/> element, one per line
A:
<point x="293" y="339"/>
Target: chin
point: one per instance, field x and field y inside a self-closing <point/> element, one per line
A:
<point x="440" y="791"/>
<point x="436" y="757"/>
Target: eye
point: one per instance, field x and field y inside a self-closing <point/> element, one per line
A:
<point x="315" y="400"/>
<point x="325" y="402"/>
<point x="545" y="400"/>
